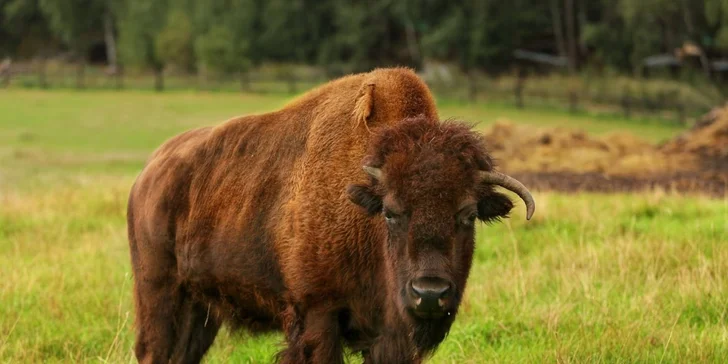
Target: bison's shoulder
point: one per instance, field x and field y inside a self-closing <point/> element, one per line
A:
<point x="180" y="146"/>
<point x="168" y="166"/>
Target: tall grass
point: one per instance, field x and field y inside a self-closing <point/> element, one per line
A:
<point x="637" y="278"/>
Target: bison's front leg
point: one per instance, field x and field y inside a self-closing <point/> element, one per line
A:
<point x="313" y="337"/>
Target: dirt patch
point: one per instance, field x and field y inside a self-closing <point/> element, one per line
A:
<point x="572" y="160"/>
<point x="715" y="186"/>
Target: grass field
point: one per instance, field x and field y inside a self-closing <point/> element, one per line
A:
<point x="592" y="278"/>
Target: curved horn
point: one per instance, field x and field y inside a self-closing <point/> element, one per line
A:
<point x="374" y="172"/>
<point x="513" y="185"/>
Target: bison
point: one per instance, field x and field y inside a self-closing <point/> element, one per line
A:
<point x="346" y="218"/>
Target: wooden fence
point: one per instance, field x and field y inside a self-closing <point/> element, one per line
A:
<point x="667" y="104"/>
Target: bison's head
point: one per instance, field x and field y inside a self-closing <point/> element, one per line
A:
<point x="429" y="184"/>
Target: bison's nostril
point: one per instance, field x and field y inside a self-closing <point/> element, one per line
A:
<point x="430" y="293"/>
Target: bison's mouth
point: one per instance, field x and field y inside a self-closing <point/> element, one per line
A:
<point x="428" y="315"/>
<point x="424" y="314"/>
<point x="429" y="298"/>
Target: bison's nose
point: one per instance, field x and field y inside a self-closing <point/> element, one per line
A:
<point x="430" y="294"/>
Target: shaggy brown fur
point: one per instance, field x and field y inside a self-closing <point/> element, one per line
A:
<point x="268" y="222"/>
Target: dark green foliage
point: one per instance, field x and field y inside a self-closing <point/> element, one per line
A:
<point x="23" y="29"/>
<point x="76" y="22"/>
<point x="228" y="34"/>
<point x="482" y="34"/>
<point x="173" y="44"/>
<point x="139" y="27"/>
<point x="353" y="35"/>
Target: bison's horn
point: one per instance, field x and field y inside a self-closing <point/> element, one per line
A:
<point x="511" y="184"/>
<point x="374" y="172"/>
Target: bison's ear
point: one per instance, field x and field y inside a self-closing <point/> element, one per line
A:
<point x="493" y="207"/>
<point x="363" y="196"/>
<point x="364" y="104"/>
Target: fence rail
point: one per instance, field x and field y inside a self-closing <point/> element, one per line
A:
<point x="667" y="104"/>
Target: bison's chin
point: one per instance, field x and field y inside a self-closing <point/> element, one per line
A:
<point x="429" y="333"/>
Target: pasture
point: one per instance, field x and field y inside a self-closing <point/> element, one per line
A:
<point x="639" y="277"/>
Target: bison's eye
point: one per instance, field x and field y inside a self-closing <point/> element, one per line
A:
<point x="389" y="216"/>
<point x="467" y="216"/>
<point x="392" y="218"/>
<point x="468" y="220"/>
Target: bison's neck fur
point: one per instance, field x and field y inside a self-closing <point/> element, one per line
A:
<point x="326" y="232"/>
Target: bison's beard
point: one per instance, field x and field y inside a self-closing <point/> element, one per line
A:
<point x="428" y="334"/>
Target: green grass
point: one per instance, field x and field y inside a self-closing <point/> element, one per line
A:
<point x="137" y="121"/>
<point x="592" y="278"/>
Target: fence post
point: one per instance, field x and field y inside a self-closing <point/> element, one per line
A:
<point x="5" y="72"/>
<point x="681" y="112"/>
<point x="626" y="103"/>
<point x="573" y="101"/>
<point x="244" y="77"/>
<point x="42" y="75"/>
<point x="292" y="83"/>
<point x="472" y="86"/>
<point x="5" y="81"/>
<point x="518" y="89"/>
<point x="202" y="80"/>
<point x="119" y="75"/>
<point x="81" y="74"/>
<point x="158" y="78"/>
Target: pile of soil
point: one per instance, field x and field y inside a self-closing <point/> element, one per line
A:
<point x="526" y="149"/>
<point x="572" y="160"/>
<point x="708" y="140"/>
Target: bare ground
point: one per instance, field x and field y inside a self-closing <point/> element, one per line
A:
<point x="695" y="162"/>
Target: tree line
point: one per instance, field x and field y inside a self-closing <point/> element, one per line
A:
<point x="235" y="36"/>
